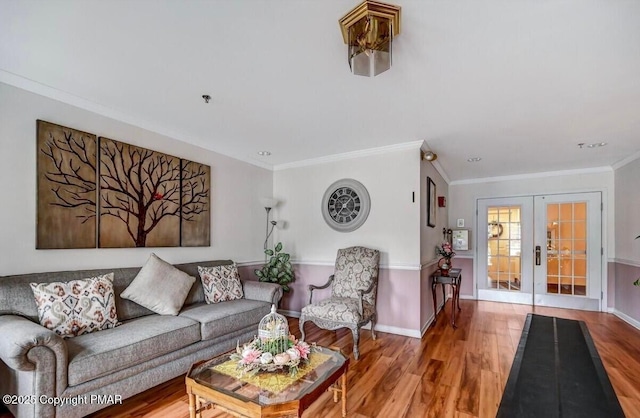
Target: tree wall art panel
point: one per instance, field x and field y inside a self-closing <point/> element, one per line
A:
<point x="139" y="197"/>
<point x="195" y="211"/>
<point x="67" y="192"/>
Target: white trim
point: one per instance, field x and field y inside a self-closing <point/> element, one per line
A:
<point x="411" y="267"/>
<point x="465" y="256"/>
<point x="591" y="170"/>
<point x="626" y="161"/>
<point x="79" y="102"/>
<point x="381" y="328"/>
<point x="467" y="297"/>
<point x="249" y="263"/>
<point x="293" y="314"/>
<point x="427" y="325"/>
<point x="428" y="264"/>
<point x="626" y="318"/>
<point x="349" y="155"/>
<point x="627" y="262"/>
<point x="414" y="333"/>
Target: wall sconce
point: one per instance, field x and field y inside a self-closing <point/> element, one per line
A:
<point x="429" y="156"/>
<point x="368" y="30"/>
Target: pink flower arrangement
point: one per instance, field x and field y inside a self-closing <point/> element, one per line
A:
<point x="445" y="250"/>
<point x="252" y="359"/>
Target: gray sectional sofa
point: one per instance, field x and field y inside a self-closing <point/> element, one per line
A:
<point x="55" y="377"/>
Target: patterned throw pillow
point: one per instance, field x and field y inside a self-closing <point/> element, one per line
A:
<point x="221" y="283"/>
<point x="77" y="307"/>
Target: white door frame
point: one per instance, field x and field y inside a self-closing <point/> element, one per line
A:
<point x="477" y="273"/>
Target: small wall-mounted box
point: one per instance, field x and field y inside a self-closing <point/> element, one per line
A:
<point x="460" y="240"/>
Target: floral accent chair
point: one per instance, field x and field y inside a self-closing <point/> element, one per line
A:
<point x="353" y="295"/>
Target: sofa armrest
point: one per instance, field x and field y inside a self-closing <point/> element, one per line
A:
<point x="263" y="291"/>
<point x="27" y="346"/>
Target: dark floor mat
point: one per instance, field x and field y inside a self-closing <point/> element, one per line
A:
<point x="557" y="372"/>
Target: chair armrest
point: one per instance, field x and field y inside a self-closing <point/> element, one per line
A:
<point x="362" y="292"/>
<point x="312" y="287"/>
<point x="27" y="346"/>
<point x="262" y="291"/>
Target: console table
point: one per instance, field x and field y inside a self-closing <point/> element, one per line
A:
<point x="453" y="279"/>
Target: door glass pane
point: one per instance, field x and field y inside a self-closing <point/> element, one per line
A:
<point x="504" y="248"/>
<point x="567" y="248"/>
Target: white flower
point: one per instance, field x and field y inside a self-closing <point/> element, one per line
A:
<point x="266" y="358"/>
<point x="282" y="358"/>
<point x="293" y="354"/>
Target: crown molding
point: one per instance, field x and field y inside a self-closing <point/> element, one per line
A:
<point x="90" y="106"/>
<point x="605" y="169"/>
<point x="350" y="155"/>
<point x="626" y="161"/>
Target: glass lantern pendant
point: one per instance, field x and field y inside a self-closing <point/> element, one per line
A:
<point x="368" y="30"/>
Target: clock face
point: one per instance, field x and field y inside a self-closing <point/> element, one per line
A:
<point x="345" y="205"/>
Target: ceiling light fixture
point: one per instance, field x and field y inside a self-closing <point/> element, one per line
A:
<point x="368" y="30"/>
<point x="264" y="153"/>
<point x="429" y="156"/>
<point x="474" y="159"/>
<point x="206" y="98"/>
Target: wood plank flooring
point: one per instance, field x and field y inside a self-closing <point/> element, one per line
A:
<point x="447" y="373"/>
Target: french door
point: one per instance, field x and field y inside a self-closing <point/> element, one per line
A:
<point x="541" y="250"/>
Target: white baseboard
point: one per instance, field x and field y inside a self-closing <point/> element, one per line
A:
<point x="467" y="297"/>
<point x="414" y="333"/>
<point x="626" y="318"/>
<point x="293" y="314"/>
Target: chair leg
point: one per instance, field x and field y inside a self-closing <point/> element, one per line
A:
<point x="301" y="325"/>
<point x="356" y="339"/>
<point x="373" y="327"/>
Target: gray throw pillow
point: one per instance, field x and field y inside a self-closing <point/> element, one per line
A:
<point x="159" y="287"/>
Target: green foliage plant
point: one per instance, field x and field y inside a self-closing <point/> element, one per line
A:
<point x="278" y="269"/>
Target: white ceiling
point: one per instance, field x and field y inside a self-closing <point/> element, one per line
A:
<point x="518" y="83"/>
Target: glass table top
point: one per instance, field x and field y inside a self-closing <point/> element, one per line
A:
<point x="267" y="388"/>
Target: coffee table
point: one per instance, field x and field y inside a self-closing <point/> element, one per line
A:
<point x="268" y="394"/>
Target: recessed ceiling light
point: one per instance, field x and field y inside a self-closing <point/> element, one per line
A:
<point x="594" y="145"/>
<point x="264" y="153"/>
<point x="474" y="159"/>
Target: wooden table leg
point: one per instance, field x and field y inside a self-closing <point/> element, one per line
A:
<point x="453" y="305"/>
<point x="435" y="304"/>
<point x="344" y="394"/>
<point x="192" y="405"/>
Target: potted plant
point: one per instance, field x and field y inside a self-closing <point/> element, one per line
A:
<point x="277" y="269"/>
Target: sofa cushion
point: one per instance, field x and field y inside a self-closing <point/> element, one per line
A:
<point x="76" y="307"/>
<point x="160" y="287"/>
<point x="220" y="283"/>
<point x="224" y="317"/>
<point x="134" y="342"/>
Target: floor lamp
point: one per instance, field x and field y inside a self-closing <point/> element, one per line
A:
<point x="268" y="204"/>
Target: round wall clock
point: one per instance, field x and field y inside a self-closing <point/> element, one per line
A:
<point x="345" y="205"/>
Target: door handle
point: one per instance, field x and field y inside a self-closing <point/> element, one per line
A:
<point x="537" y="255"/>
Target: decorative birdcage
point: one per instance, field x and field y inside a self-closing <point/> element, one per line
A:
<point x="273" y="333"/>
<point x="273" y="349"/>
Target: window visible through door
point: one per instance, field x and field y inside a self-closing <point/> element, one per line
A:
<point x="504" y="252"/>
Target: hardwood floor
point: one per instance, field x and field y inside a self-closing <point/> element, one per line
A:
<point x="448" y="373"/>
